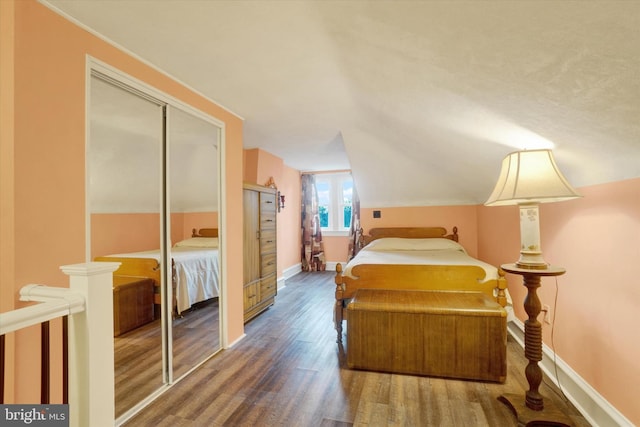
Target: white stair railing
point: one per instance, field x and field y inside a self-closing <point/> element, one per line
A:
<point x="89" y="304"/>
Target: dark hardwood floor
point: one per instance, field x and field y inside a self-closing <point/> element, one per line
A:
<point x="138" y="354"/>
<point x="289" y="371"/>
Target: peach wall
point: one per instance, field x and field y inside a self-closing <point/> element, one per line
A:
<point x="48" y="162"/>
<point x="336" y="248"/>
<point x="7" y="217"/>
<point x="122" y="233"/>
<point x="463" y="217"/>
<point x="596" y="239"/>
<point x="250" y="165"/>
<point x="231" y="225"/>
<point x="289" y="232"/>
<point x="269" y="166"/>
<point x="197" y="220"/>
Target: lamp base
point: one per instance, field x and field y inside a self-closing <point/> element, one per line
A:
<point x="530" y="250"/>
<point x="531" y="266"/>
<point x="550" y="416"/>
<point x="531" y="261"/>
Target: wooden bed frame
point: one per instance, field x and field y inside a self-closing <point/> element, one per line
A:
<point x="150" y="268"/>
<point x="413" y="277"/>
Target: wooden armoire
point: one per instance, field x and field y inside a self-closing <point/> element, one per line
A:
<point x="260" y="268"/>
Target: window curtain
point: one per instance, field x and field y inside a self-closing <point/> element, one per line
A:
<point x="355" y="231"/>
<point x="312" y="253"/>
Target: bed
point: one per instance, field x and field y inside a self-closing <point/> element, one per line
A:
<point x="412" y="258"/>
<point x="195" y="268"/>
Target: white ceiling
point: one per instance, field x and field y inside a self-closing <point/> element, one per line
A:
<point x="421" y="99"/>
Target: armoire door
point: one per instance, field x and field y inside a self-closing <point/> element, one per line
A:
<point x="251" y="238"/>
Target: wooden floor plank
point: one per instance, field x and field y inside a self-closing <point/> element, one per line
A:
<point x="289" y="371"/>
<point x="138" y="355"/>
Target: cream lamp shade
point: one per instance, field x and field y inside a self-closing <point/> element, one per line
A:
<point x="528" y="178"/>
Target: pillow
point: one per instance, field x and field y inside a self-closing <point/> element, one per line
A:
<point x="198" y="242"/>
<point x="407" y="244"/>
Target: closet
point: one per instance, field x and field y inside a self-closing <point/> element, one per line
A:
<point x="260" y="272"/>
<point x="153" y="174"/>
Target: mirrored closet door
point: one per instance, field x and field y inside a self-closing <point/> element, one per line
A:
<point x="193" y="194"/>
<point x="152" y="179"/>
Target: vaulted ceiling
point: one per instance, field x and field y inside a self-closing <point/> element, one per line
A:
<point x="420" y="99"/>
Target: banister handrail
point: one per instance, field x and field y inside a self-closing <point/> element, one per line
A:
<point x="54" y="303"/>
<point x="44" y="293"/>
<point x="88" y="305"/>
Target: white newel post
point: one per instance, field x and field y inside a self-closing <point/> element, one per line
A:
<point x="91" y="360"/>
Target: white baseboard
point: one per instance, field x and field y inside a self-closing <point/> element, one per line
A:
<point x="297" y="268"/>
<point x="595" y="408"/>
<point x="288" y="273"/>
<point x="240" y="338"/>
<point x="331" y="266"/>
<point x="291" y="271"/>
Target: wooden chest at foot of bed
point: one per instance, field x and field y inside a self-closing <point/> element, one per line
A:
<point x="435" y="333"/>
<point x="132" y="303"/>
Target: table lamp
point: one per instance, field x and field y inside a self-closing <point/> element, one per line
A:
<point x="527" y="179"/>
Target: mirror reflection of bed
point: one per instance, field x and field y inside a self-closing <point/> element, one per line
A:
<point x="131" y="183"/>
<point x="195" y="312"/>
<point x="137" y="313"/>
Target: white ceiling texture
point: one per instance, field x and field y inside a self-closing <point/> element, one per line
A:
<point x="420" y="99"/>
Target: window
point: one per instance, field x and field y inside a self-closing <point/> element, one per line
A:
<point x="335" y="193"/>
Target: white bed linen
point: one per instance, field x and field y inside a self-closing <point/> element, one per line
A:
<point x="196" y="273"/>
<point x="451" y="254"/>
<point x="419" y="257"/>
